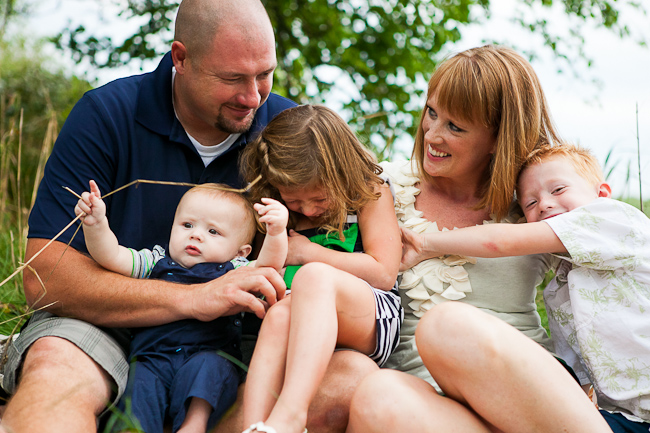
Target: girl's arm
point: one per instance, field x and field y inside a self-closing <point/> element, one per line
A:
<point x="275" y="246"/>
<point x="100" y="239"/>
<point x="379" y="264"/>
<point x="489" y="240"/>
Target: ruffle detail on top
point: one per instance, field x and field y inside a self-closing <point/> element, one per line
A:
<point x="425" y="282"/>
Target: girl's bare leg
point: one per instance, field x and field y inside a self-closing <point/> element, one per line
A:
<point x="329" y="307"/>
<point x="502" y="375"/>
<point x="266" y="372"/>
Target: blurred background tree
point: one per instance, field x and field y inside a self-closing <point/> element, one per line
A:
<point x="383" y="51"/>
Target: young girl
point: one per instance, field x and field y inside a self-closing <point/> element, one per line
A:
<point x="311" y="161"/>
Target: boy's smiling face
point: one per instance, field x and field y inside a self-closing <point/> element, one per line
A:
<point x="554" y="187"/>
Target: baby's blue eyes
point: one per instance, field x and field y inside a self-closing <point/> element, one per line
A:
<point x="187" y="225"/>
<point x="213" y="232"/>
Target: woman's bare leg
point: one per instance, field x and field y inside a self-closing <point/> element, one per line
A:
<point x="505" y="377"/>
<point x="390" y="401"/>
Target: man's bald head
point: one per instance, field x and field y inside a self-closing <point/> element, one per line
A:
<point x="198" y="22"/>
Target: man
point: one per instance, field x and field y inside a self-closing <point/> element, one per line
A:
<point x="185" y="123"/>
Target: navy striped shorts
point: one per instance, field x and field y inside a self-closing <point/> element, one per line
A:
<point x="389" y="315"/>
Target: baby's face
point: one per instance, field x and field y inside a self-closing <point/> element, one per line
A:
<point x="206" y="230"/>
<point x="553" y="188"/>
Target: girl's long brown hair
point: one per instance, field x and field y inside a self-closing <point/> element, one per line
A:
<point x="311" y="145"/>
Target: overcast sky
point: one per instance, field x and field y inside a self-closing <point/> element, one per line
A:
<point x="601" y="118"/>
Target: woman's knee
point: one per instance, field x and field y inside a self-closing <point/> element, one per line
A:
<point x="450" y="331"/>
<point x="365" y="403"/>
<point x="380" y="402"/>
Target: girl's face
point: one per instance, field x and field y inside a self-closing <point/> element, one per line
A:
<point x="311" y="201"/>
<point x="454" y="148"/>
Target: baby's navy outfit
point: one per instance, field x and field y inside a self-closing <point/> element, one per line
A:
<point x="171" y="363"/>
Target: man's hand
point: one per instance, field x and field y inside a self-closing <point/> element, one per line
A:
<point x="238" y="290"/>
<point x="274" y="214"/>
<point x="92" y="205"/>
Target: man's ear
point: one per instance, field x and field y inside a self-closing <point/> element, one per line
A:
<point x="179" y="56"/>
<point x="604" y="190"/>
<point x="244" y="250"/>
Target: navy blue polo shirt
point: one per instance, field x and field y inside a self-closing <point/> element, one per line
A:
<point x="123" y="131"/>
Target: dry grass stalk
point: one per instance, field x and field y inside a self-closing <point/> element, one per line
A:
<point x="20" y="268"/>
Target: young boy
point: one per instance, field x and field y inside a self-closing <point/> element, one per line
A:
<point x="175" y="368"/>
<point x="599" y="300"/>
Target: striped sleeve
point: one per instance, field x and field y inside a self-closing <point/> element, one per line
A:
<point x="144" y="261"/>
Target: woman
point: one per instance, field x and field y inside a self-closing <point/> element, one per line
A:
<point x="485" y="112"/>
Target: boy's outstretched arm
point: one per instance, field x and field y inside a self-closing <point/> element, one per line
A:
<point x="489" y="240"/>
<point x="274" y="249"/>
<point x="100" y="239"/>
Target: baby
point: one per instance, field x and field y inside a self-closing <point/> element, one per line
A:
<point x="175" y="368"/>
<point x="599" y="299"/>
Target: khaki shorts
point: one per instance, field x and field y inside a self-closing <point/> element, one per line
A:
<point x="105" y="346"/>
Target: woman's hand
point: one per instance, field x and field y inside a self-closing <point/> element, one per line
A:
<point x="412" y="249"/>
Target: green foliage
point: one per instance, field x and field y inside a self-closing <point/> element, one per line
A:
<point x="30" y="87"/>
<point x="384" y="49"/>
<point x="35" y="97"/>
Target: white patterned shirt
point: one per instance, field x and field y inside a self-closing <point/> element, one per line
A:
<point x="599" y="302"/>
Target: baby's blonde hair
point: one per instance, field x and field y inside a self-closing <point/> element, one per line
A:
<point x="310" y="145"/>
<point x="582" y="159"/>
<point x="496" y="87"/>
<point x="220" y="191"/>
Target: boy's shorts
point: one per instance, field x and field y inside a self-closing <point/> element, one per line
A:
<point x="105" y="347"/>
<point x="619" y="424"/>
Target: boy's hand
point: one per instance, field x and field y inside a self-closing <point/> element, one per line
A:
<point x="91" y="205"/>
<point x="413" y="249"/>
<point x="274" y="214"/>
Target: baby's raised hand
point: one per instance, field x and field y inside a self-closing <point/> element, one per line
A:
<point x="91" y="205"/>
<point x="274" y="214"/>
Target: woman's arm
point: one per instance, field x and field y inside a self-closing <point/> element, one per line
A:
<point x="379" y="263"/>
<point x="489" y="240"/>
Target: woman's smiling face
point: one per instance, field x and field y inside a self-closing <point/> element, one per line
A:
<point x="454" y="148"/>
